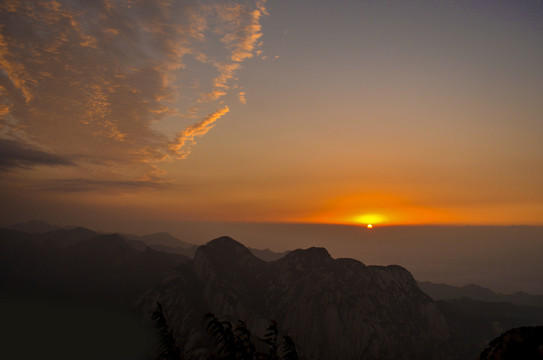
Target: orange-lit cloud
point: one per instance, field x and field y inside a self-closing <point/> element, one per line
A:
<point x="244" y="41"/>
<point x="89" y="81"/>
<point x="185" y="139"/>
<point x="242" y="98"/>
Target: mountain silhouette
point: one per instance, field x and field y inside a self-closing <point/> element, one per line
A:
<point x="34" y="227"/>
<point x="81" y="264"/>
<point x="475" y="292"/>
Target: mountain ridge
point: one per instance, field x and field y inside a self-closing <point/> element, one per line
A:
<point x="476" y="292"/>
<point x="310" y="295"/>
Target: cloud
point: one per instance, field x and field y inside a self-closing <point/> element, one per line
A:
<point x="94" y="78"/>
<point x="246" y="22"/>
<point x="14" y="154"/>
<point x="242" y="98"/>
<point x="181" y="147"/>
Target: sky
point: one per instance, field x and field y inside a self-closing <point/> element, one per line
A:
<point x="337" y="112"/>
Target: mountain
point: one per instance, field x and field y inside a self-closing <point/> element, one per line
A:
<point x="333" y="309"/>
<point x="69" y="292"/>
<point x="524" y="343"/>
<point x="34" y="227"/>
<point x="475" y="292"/>
<point x="159" y="239"/>
<point x="80" y="264"/>
<point x="166" y="242"/>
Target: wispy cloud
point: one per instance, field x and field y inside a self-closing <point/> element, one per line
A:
<point x="244" y="41"/>
<point x="242" y="98"/>
<point x="93" y="77"/>
<point x="181" y="147"/>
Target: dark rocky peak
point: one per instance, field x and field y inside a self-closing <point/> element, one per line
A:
<point x="227" y="248"/>
<point x="351" y="268"/>
<point x="224" y="241"/>
<point x="308" y="258"/>
<point x="395" y="276"/>
<point x="224" y="256"/>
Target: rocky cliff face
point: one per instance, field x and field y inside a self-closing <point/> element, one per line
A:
<point x="333" y="309"/>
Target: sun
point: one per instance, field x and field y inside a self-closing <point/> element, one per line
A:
<point x="369" y="226"/>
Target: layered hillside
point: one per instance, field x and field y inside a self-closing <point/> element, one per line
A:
<point x="80" y="264"/>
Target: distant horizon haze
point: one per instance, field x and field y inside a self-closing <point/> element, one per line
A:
<point x="505" y="259"/>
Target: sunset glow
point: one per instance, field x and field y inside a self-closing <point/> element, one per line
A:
<point x="370" y="219"/>
<point x="380" y="113"/>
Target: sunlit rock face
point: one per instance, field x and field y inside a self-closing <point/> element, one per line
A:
<point x="333" y="309"/>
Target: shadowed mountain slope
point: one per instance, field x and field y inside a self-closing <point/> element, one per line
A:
<point x="80" y="264"/>
<point x="34" y="227"/>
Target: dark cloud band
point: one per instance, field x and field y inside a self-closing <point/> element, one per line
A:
<point x="15" y="154"/>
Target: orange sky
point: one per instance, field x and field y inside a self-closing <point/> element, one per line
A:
<point x="399" y="113"/>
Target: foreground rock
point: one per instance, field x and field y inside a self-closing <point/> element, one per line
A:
<point x="524" y="343"/>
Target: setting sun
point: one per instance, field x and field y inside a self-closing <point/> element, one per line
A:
<point x="369" y="226"/>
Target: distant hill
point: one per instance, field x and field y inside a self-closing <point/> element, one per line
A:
<point x="473" y="323"/>
<point x="165" y="242"/>
<point x="80" y="264"/>
<point x="34" y="227"/>
<point x="160" y="239"/>
<point x="168" y="243"/>
<point x="475" y="292"/>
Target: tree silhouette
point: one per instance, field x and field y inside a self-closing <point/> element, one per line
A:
<point x="237" y="344"/>
<point x="270" y="338"/>
<point x="289" y="349"/>
<point x="167" y="348"/>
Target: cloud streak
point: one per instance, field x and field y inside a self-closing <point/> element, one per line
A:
<point x="14" y="154"/>
<point x="181" y="147"/>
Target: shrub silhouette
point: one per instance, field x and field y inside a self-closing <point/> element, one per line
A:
<point x="237" y="344"/>
<point x="167" y="349"/>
